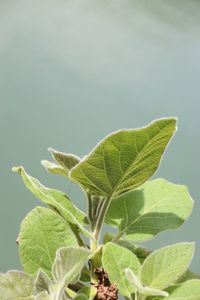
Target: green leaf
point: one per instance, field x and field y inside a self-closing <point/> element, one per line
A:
<point x="189" y="290"/>
<point x="42" y="233"/>
<point x="54" y="168"/>
<point x="88" y="291"/>
<point x="145" y="290"/>
<point x="125" y="159"/>
<point x="67" y="265"/>
<point x="156" y="206"/>
<point x="81" y="297"/>
<point x="139" y="251"/>
<point x="67" y="161"/>
<point x="56" y="199"/>
<point x="115" y="260"/>
<point x="188" y="275"/>
<point x="164" y="266"/>
<point x="42" y="282"/>
<point x="15" y="285"/>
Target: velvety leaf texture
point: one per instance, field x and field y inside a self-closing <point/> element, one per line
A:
<point x="67" y="161"/>
<point x="42" y="283"/>
<point x="156" y="206"/>
<point x="125" y="159"/>
<point x="115" y="260"/>
<point x="54" y="198"/>
<point x="54" y="168"/>
<point x="42" y="233"/>
<point x="67" y="265"/>
<point x="164" y="266"/>
<point x="16" y="285"/>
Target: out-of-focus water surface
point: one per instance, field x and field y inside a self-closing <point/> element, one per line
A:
<point x="72" y="71"/>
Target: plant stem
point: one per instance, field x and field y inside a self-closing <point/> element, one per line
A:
<point x="118" y="236"/>
<point x="101" y="217"/>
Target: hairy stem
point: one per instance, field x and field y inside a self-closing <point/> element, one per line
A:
<point x="101" y="217"/>
<point x="117" y="236"/>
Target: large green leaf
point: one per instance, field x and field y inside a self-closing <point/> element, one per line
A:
<point x="16" y="285"/>
<point x="68" y="264"/>
<point x="125" y="159"/>
<point x="164" y="266"/>
<point x="56" y="199"/>
<point x="156" y="206"/>
<point x="189" y="290"/>
<point x="67" y="161"/>
<point x="42" y="233"/>
<point x="115" y="260"/>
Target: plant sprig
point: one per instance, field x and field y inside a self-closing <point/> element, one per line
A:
<point x="60" y="246"/>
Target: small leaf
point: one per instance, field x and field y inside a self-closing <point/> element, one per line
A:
<point x="42" y="233"/>
<point x="125" y="159"/>
<point x="56" y="199"/>
<point x="15" y="285"/>
<point x="156" y="206"/>
<point x="42" y="282"/>
<point x="67" y="265"/>
<point x="67" y="161"/>
<point x="115" y="260"/>
<point x="53" y="168"/>
<point x="189" y="290"/>
<point x="88" y="291"/>
<point x="164" y="266"/>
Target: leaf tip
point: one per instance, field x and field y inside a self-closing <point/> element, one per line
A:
<point x="17" y="169"/>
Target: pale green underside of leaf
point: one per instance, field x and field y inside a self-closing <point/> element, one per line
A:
<point x="42" y="282"/>
<point x="156" y="206"/>
<point x="65" y="160"/>
<point x="164" y="266"/>
<point x="55" y="198"/>
<point x="68" y="264"/>
<point x="68" y="259"/>
<point x="125" y="159"/>
<point x="42" y="233"/>
<point x="115" y="260"/>
<point x="54" y="168"/>
<point x="15" y="285"/>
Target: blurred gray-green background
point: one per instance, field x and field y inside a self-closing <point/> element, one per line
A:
<point x="72" y="71"/>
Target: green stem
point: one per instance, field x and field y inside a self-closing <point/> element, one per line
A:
<point x="101" y="217"/>
<point x="118" y="236"/>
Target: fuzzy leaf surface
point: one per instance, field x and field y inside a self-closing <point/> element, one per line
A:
<point x="67" y="161"/>
<point x="156" y="206"/>
<point x="42" y="232"/>
<point x="164" y="266"/>
<point x="15" y="285"/>
<point x="56" y="199"/>
<point x="68" y="264"/>
<point x="42" y="282"/>
<point x="53" y="168"/>
<point x="125" y="159"/>
<point x="115" y="260"/>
